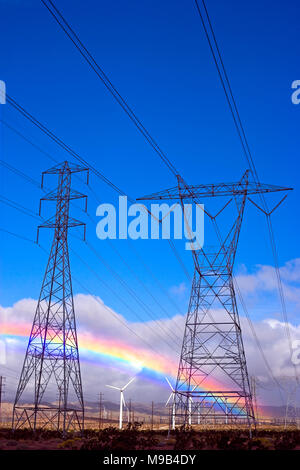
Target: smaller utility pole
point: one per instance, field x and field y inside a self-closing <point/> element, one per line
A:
<point x="100" y="410"/>
<point x="152" y="415"/>
<point x="169" y="428"/>
<point x="58" y="398"/>
<point x="130" y="413"/>
<point x="253" y="386"/>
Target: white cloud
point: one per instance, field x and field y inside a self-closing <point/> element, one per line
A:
<point x="179" y="290"/>
<point x="95" y="318"/>
<point x="264" y="277"/>
<point x="261" y="286"/>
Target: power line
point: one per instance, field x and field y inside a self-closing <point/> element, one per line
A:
<point x="217" y="57"/>
<point x="142" y="303"/>
<point x="69" y="150"/>
<point x="62" y="144"/>
<point x="117" y="296"/>
<point x="42" y="151"/>
<point x="237" y="121"/>
<point x="20" y="173"/>
<point x="23" y="175"/>
<point x="28" y="178"/>
<point x="277" y="384"/>
<point x="149" y="312"/>
<point x="228" y="93"/>
<point x="269" y="369"/>
<point x="17" y="235"/>
<point x="36" y="183"/>
<point x="142" y="283"/>
<point x="117" y="317"/>
<point x="15" y="205"/>
<point x="134" y="250"/>
<point x="37" y="147"/>
<point x="233" y="108"/>
<point x="18" y="207"/>
<point x="139" y="279"/>
<point x="132" y="293"/>
<point x="69" y="31"/>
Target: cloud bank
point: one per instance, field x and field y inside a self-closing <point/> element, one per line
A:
<point x="113" y="350"/>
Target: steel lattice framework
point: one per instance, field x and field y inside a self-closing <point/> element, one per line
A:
<point x="52" y="351"/>
<point x="212" y="382"/>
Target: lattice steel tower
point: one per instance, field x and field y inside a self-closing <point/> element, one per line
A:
<point x="212" y="382"/>
<point x="52" y="356"/>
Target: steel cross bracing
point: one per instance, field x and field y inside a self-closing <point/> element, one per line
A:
<point x="52" y="352"/>
<point x="212" y="382"/>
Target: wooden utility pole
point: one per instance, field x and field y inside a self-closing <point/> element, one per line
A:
<point x="152" y="415"/>
<point x="253" y="384"/>
<point x="100" y="410"/>
<point x="130" y="414"/>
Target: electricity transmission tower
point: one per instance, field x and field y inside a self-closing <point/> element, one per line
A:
<point x="292" y="389"/>
<point x="212" y="368"/>
<point x="291" y="410"/>
<point x="52" y="351"/>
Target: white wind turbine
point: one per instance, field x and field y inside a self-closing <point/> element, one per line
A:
<point x="122" y="400"/>
<point x="172" y="396"/>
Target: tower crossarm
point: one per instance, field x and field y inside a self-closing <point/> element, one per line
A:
<point x="53" y="223"/>
<point x="54" y="195"/>
<point x="214" y="190"/>
<point x="65" y="167"/>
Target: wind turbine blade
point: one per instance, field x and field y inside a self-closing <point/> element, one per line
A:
<point x="123" y="399"/>
<point x="169" y="384"/>
<point x="171" y="395"/>
<point x="111" y="386"/>
<point x="128" y="383"/>
<point x="194" y="387"/>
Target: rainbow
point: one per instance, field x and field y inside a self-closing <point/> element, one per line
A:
<point x="110" y="351"/>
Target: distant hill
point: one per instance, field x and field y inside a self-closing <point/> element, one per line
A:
<point x="159" y="409"/>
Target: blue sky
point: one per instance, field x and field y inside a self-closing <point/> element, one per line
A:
<point x="156" y="54"/>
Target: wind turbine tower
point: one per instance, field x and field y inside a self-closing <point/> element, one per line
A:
<point x="122" y="400"/>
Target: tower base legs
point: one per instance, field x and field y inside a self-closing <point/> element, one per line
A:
<point x="47" y="418"/>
